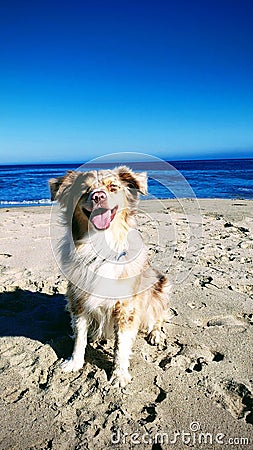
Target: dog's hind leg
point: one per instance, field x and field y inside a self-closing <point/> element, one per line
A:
<point x="126" y="328"/>
<point x="155" y="336"/>
<point x="76" y="361"/>
<point x="158" y="302"/>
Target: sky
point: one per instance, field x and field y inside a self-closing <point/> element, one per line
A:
<point x="80" y="79"/>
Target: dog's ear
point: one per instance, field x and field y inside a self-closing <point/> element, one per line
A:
<point x="58" y="185"/>
<point x="54" y="185"/>
<point x="133" y="180"/>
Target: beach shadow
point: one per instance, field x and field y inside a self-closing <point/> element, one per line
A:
<point x="43" y="317"/>
<point x="37" y="316"/>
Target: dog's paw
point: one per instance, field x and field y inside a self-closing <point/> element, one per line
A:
<point x="155" y="337"/>
<point x="120" y="378"/>
<point x="71" y="365"/>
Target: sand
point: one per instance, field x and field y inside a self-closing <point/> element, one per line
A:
<point x="196" y="389"/>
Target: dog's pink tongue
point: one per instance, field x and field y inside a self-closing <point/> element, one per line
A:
<point x="102" y="221"/>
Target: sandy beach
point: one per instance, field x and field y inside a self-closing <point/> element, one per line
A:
<point x="196" y="390"/>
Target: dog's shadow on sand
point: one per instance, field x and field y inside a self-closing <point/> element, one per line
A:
<point x="44" y="318"/>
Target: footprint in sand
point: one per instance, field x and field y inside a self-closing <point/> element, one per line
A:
<point x="227" y="321"/>
<point x="236" y="398"/>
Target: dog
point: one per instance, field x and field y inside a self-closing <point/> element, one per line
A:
<point x="112" y="289"/>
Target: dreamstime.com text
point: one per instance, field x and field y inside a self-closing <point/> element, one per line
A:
<point x="195" y="435"/>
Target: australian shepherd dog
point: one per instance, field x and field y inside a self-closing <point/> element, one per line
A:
<point x="111" y="286"/>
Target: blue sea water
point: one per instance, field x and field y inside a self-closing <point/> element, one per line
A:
<point x="228" y="178"/>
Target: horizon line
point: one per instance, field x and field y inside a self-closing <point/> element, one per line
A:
<point x="123" y="162"/>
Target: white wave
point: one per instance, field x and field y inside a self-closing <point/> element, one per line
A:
<point x="41" y="201"/>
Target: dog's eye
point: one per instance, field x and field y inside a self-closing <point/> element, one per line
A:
<point x="113" y="187"/>
<point x="85" y="195"/>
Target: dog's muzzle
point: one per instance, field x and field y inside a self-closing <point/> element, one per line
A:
<point x="100" y="215"/>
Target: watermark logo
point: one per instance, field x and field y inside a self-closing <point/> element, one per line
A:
<point x="193" y="436"/>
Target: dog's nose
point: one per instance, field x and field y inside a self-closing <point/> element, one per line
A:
<point x="98" y="196"/>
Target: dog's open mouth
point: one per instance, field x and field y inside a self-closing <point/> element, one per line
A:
<point x="101" y="218"/>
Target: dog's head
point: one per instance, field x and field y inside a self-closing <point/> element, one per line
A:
<point x="97" y="198"/>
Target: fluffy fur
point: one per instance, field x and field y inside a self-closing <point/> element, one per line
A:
<point x="112" y="287"/>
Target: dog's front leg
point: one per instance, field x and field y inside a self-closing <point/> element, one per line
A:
<point x="126" y="324"/>
<point x="76" y="361"/>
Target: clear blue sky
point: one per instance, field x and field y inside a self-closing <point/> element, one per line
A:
<point x="82" y="79"/>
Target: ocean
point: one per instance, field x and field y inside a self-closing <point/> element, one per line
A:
<point x="27" y="185"/>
